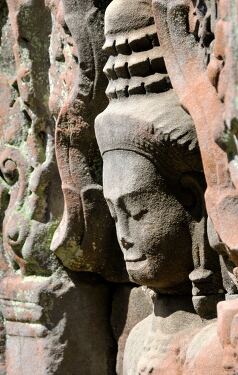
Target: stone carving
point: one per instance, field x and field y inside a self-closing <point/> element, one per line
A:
<point x="66" y="303"/>
<point x="26" y="165"/>
<point x="83" y="241"/>
<point x="154" y="187"/>
<point x="200" y="47"/>
<point x="27" y="154"/>
<point x="199" y="40"/>
<point x="27" y="147"/>
<point x="52" y="72"/>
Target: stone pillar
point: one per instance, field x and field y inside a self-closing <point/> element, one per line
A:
<point x="57" y="326"/>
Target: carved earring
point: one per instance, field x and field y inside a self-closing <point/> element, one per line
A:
<point x="207" y="288"/>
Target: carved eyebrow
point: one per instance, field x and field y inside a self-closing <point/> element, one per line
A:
<point x="120" y="202"/>
<point x="131" y="194"/>
<point x="136" y="195"/>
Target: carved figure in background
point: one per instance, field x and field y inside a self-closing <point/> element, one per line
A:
<point x="83" y="241"/>
<point x="199" y="40"/>
<point x="154" y="187"/>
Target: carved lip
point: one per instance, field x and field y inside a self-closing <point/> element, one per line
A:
<point x="134" y="260"/>
<point x="138" y="265"/>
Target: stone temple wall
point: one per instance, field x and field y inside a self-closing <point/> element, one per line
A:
<point x="118" y="187"/>
<point x="55" y="320"/>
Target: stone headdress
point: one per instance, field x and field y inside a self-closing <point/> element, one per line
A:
<point x="144" y="114"/>
<point x="135" y="64"/>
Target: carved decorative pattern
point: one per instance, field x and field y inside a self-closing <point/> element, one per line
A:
<point x="27" y="142"/>
<point x="46" y="84"/>
<point x="83" y="241"/>
<point x="199" y="40"/>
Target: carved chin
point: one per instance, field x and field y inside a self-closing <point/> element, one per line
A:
<point x="152" y="275"/>
<point x="140" y="273"/>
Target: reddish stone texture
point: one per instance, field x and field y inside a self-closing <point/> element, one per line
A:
<point x="48" y="320"/>
<point x="30" y="189"/>
<point x="200" y="45"/>
<point x="191" y="352"/>
<point x="82" y="240"/>
<point x="227" y="330"/>
<point x="55" y="321"/>
<point x="201" y="61"/>
<point x="27" y="143"/>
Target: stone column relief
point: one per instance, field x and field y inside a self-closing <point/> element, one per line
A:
<point x="200" y="48"/>
<point x="118" y="187"/>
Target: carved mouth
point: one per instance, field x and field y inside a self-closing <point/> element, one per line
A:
<point x="134" y="260"/>
<point x="136" y="264"/>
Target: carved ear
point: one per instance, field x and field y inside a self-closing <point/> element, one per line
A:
<point x="96" y="212"/>
<point x="193" y="194"/>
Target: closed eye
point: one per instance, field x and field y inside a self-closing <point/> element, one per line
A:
<point x="139" y="215"/>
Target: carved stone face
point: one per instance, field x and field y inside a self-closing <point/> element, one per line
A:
<point x="152" y="225"/>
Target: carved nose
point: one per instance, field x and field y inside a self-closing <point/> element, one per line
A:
<point x="126" y="244"/>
